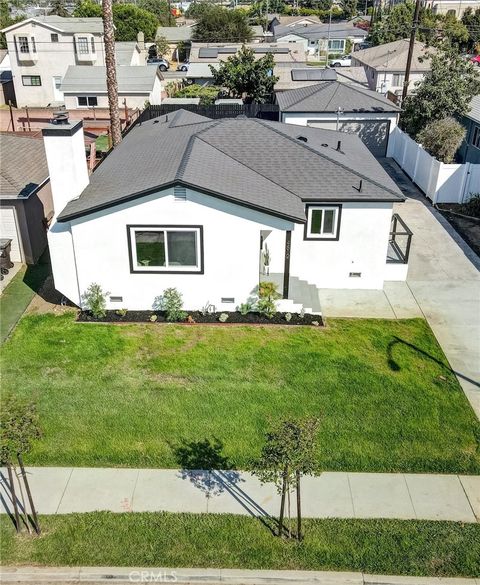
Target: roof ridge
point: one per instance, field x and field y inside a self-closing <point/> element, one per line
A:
<point x="322" y="155"/>
<point x="369" y="93"/>
<point x="186" y="154"/>
<point x="249" y="168"/>
<point x="316" y="88"/>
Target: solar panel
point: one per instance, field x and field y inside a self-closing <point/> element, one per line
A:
<point x="275" y="50"/>
<point x="227" y="50"/>
<point x="313" y="74"/>
<point x="208" y="53"/>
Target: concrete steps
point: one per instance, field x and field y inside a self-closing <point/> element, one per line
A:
<point x="301" y="295"/>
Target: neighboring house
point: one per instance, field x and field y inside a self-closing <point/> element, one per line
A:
<point x="470" y="149"/>
<point x="281" y="20"/>
<point x="176" y="35"/>
<point x="454" y="7"/>
<point x="25" y="198"/>
<point x="315" y="38"/>
<point x="131" y="52"/>
<point x="85" y="87"/>
<point x="7" y="90"/>
<point x="346" y="108"/>
<point x="385" y="65"/>
<point x="296" y="76"/>
<point x="189" y="202"/>
<point x="202" y="55"/>
<point x="42" y="48"/>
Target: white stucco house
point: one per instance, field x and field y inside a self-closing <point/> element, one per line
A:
<point x="385" y="65"/>
<point x="189" y="202"/>
<point x="345" y="107"/>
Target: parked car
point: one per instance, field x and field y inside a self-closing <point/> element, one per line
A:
<point x="161" y="63"/>
<point x="343" y="61"/>
<point x="475" y="60"/>
<point x="183" y="66"/>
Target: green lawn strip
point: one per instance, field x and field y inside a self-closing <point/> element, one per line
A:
<point x="407" y="547"/>
<point x="132" y="395"/>
<point x="18" y="294"/>
<point x="101" y="143"/>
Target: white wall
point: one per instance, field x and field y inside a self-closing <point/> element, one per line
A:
<point x="301" y="119"/>
<point x="382" y="81"/>
<point x="231" y="250"/>
<point x="441" y="183"/>
<point x="53" y="61"/>
<point x="133" y="101"/>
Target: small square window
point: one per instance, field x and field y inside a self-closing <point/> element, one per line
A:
<point x="82" y="45"/>
<point x="87" y="101"/>
<point x="323" y="222"/>
<point x="31" y="80"/>
<point x="54" y="37"/>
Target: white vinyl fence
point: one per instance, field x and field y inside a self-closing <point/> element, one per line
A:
<point x="440" y="182"/>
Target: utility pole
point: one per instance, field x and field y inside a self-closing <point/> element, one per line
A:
<point x="111" y="72"/>
<point x="411" y="47"/>
<point x="328" y="34"/>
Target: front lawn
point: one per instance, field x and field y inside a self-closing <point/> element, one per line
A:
<point x="187" y="540"/>
<point x="145" y="395"/>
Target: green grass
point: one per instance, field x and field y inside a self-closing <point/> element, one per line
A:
<point x="131" y="395"/>
<point x="189" y="540"/>
<point x="18" y="294"/>
<point x="101" y="143"/>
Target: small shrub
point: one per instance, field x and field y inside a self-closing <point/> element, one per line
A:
<point x="245" y="308"/>
<point x="153" y="318"/>
<point x="472" y="207"/>
<point x="94" y="300"/>
<point x="171" y="302"/>
<point x="442" y="138"/>
<point x="223" y="317"/>
<point x="121" y="312"/>
<point x="268" y="294"/>
<point x="288" y="317"/>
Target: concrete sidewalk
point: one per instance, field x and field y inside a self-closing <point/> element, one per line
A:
<point x="59" y="490"/>
<point x="101" y="575"/>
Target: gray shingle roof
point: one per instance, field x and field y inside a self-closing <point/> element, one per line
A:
<point x="175" y="33"/>
<point x="130" y="78"/>
<point x="328" y="96"/>
<point x="393" y="56"/>
<point x="24" y="165"/>
<point x="339" y="30"/>
<point x="68" y="24"/>
<point x="253" y="162"/>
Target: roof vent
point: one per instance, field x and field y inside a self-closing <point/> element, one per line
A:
<point x="302" y="138"/>
<point x="179" y="193"/>
<point x="339" y="146"/>
<point x="325" y="145"/>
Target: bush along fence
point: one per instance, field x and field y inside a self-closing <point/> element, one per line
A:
<point x="441" y="183"/>
<point x="263" y="111"/>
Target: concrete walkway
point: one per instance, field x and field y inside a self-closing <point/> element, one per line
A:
<point x="58" y="490"/>
<point x="443" y="285"/>
<point x="101" y="575"/>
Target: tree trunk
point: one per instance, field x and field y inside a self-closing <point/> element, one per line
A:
<point x="299" y="509"/>
<point x="282" y="502"/>
<point x="24" y="506"/>
<point x="14" y="498"/>
<point x="29" y="495"/>
<point x="112" y="88"/>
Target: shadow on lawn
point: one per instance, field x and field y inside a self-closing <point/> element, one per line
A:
<point x="203" y="464"/>
<point x="395" y="366"/>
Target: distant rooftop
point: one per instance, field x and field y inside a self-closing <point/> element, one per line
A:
<point x="393" y="56"/>
<point x="131" y="79"/>
<point x="64" y="24"/>
<point x="217" y="52"/>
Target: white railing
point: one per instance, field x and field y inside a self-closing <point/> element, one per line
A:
<point x="442" y="183"/>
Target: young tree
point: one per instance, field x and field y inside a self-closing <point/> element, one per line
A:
<point x="442" y="138"/>
<point x="289" y="452"/>
<point x="161" y="9"/>
<point x="245" y="77"/>
<point x="217" y="25"/>
<point x="111" y="72"/>
<point x="162" y="46"/>
<point x="19" y="429"/>
<point x="58" y="8"/>
<point x="446" y="90"/>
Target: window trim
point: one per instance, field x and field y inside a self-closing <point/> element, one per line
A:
<point x="22" y="44"/>
<point x="338" y="220"/>
<point x="31" y="84"/>
<point x="476" y="135"/>
<point x="80" y="40"/>
<point x="87" y="105"/>
<point x="131" y="229"/>
<point x="54" y="37"/>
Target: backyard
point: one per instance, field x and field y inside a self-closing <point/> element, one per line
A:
<point x="135" y="395"/>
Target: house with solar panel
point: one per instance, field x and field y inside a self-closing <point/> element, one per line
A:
<point x="213" y="207"/>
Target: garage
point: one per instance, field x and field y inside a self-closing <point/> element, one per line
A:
<point x="373" y="133"/>
<point x="9" y="229"/>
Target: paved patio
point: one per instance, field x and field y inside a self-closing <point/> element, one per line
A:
<point x="58" y="490"/>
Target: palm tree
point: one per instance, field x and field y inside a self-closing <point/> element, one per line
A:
<point x="112" y="87"/>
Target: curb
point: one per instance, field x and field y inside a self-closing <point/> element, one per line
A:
<point x="101" y="575"/>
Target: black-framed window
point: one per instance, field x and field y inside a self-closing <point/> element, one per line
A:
<point x="23" y="45"/>
<point x="476" y="136"/>
<point x="31" y="80"/>
<point x="323" y="222"/>
<point x="82" y="45"/>
<point x="87" y="100"/>
<point x="54" y="37"/>
<point x="169" y="248"/>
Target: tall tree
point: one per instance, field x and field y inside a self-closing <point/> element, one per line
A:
<point x="111" y="71"/>
<point x="289" y="452"/>
<point x="217" y="25"/>
<point x="471" y="19"/>
<point x="129" y="20"/>
<point x="161" y="9"/>
<point x="446" y="90"/>
<point x="246" y="77"/>
<point x="6" y="19"/>
<point x="58" y="8"/>
<point x="87" y="9"/>
<point x="349" y="7"/>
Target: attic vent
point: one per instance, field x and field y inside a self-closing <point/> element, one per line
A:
<point x="228" y="300"/>
<point x="180" y="193"/>
<point x="302" y="138"/>
<point x="355" y="275"/>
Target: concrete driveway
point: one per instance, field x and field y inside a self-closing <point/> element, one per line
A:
<point x="443" y="285"/>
